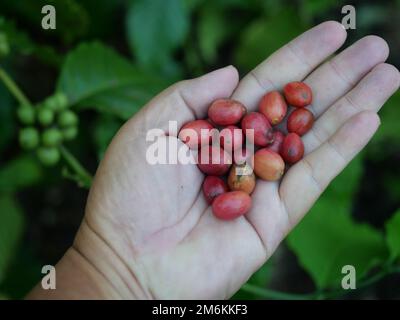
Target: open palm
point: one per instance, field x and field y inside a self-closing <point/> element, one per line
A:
<point x="148" y="229"/>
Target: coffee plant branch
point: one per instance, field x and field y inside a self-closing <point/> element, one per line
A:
<point x="82" y="175"/>
<point x="386" y="270"/>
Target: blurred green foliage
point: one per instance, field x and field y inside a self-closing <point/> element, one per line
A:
<point x="111" y="57"/>
<point x="327" y="239"/>
<point x="393" y="235"/>
<point x="96" y="76"/>
<point x="11" y="229"/>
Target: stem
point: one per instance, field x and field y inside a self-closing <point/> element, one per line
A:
<point x="13" y="87"/>
<point x="363" y="283"/>
<point x="272" y="294"/>
<point x="84" y="176"/>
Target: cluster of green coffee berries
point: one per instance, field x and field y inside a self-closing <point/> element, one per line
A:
<point x="46" y="126"/>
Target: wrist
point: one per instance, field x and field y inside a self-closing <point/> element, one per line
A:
<point x="76" y="278"/>
<point x="91" y="269"/>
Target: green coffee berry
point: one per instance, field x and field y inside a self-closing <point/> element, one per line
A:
<point x="70" y="133"/>
<point x="67" y="118"/>
<point x="51" y="137"/>
<point x="56" y="102"/>
<point x="48" y="156"/>
<point x="60" y="100"/>
<point x="26" y="114"/>
<point x="48" y="103"/>
<point x="29" y="138"/>
<point x="45" y="116"/>
<point x="4" y="46"/>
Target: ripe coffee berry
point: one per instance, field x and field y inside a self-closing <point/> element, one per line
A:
<point x="231" y="205"/>
<point x="292" y="148"/>
<point x="231" y="138"/>
<point x="273" y="106"/>
<point x="224" y="112"/>
<point x="232" y="199"/>
<point x="243" y="156"/>
<point x="257" y="123"/>
<point x="268" y="165"/>
<point x="213" y="161"/>
<point x="242" y="178"/>
<point x="297" y="94"/>
<point x="300" y="121"/>
<point x="278" y="140"/>
<point x="212" y="187"/>
<point x="196" y="133"/>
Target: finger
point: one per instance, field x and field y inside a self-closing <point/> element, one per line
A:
<point x="199" y="93"/>
<point x="290" y="63"/>
<point x="305" y="181"/>
<point x="341" y="73"/>
<point x="187" y="100"/>
<point x="370" y="94"/>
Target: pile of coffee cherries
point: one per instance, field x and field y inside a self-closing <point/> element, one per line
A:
<point x="230" y="168"/>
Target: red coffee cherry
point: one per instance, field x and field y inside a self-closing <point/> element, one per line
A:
<point x="263" y="133"/>
<point x="213" y="187"/>
<point x="278" y="140"/>
<point x="268" y="165"/>
<point x="196" y="133"/>
<point x="292" y="148"/>
<point x="273" y="106"/>
<point x="231" y="205"/>
<point x="297" y="94"/>
<point x="213" y="161"/>
<point x="300" y="121"/>
<point x="242" y="178"/>
<point x="226" y="112"/>
<point x="243" y="156"/>
<point x="231" y="138"/>
<point x="211" y="122"/>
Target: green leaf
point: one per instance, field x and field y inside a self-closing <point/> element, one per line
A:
<point x="24" y="272"/>
<point x="212" y="30"/>
<point x="95" y="76"/>
<point x="19" y="173"/>
<point x="260" y="278"/>
<point x="72" y="18"/>
<point x="11" y="227"/>
<point x="370" y="15"/>
<point x="312" y="9"/>
<point x="328" y="239"/>
<point x="7" y="116"/>
<point x="266" y="35"/>
<point x="21" y="43"/>
<point x="104" y="130"/>
<point x="393" y="235"/>
<point x="390" y="115"/>
<point x="155" y="28"/>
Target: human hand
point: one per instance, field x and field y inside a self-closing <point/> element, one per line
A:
<point x="148" y="232"/>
